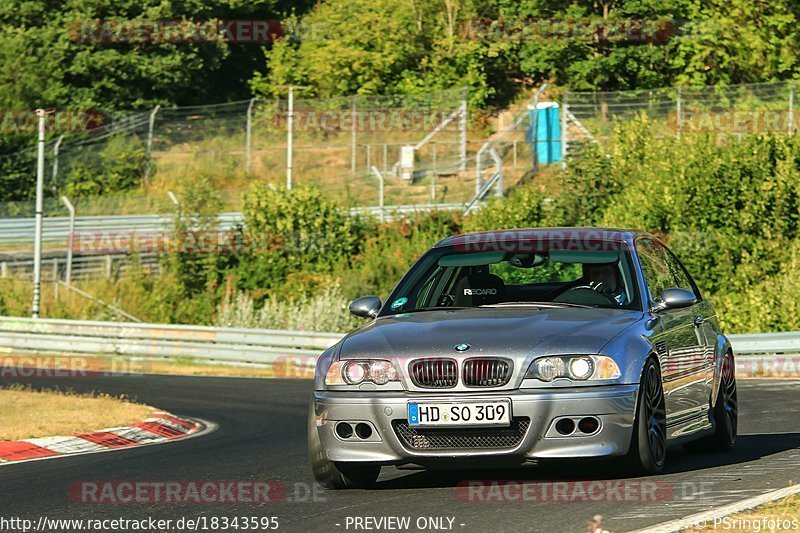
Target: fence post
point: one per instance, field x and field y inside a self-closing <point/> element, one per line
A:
<point x="385" y="157"/>
<point x="70" y="237"/>
<point x="55" y="157"/>
<point x="37" y="237"/>
<point x="564" y="129"/>
<point x="150" y="126"/>
<point x="478" y="169"/>
<point x="433" y="187"/>
<point x="369" y="156"/>
<point x="353" y="146"/>
<point x="515" y="153"/>
<point x="463" y="128"/>
<point x="249" y="133"/>
<point x="679" y="118"/>
<point x="109" y="264"/>
<point x="535" y="128"/>
<point x="55" y="277"/>
<point x="380" y="191"/>
<point x="791" y="107"/>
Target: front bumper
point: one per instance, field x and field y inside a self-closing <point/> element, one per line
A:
<point x="614" y="406"/>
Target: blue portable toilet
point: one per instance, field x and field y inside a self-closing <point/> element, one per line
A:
<point x="548" y="137"/>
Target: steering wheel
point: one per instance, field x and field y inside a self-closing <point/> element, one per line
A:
<point x="585" y="295"/>
<point x="446" y="300"/>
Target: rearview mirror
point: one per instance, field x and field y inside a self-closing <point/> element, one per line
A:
<point x="676" y="299"/>
<point x="366" y="306"/>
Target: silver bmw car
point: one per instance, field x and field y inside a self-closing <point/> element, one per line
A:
<point x="513" y="347"/>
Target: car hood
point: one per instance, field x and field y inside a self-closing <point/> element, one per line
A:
<point x="512" y="332"/>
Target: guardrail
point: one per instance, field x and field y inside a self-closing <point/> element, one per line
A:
<point x="160" y="340"/>
<point x="56" y="229"/>
<point x="251" y="345"/>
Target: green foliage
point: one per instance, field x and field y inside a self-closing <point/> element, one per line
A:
<point x="730" y="210"/>
<point x="292" y="230"/>
<point x="390" y="249"/>
<point x="324" y="311"/>
<point x="388" y="46"/>
<point x="522" y="208"/>
<point x="17" y="167"/>
<point x="384" y="46"/>
<point x="118" y="167"/>
<point x="194" y="259"/>
<point x="45" y="62"/>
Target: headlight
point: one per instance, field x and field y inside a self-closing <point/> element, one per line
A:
<point x="574" y="367"/>
<point x="352" y="372"/>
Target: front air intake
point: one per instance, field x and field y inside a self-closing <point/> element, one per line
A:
<point x="434" y="373"/>
<point x="486" y="372"/>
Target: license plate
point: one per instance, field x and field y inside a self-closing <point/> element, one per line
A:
<point x="470" y="413"/>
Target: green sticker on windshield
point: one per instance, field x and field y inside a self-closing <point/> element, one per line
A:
<point x="400" y="302"/>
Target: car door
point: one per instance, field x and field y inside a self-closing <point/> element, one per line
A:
<point x="702" y="316"/>
<point x="678" y="339"/>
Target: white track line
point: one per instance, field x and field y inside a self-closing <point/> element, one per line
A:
<point x="701" y="520"/>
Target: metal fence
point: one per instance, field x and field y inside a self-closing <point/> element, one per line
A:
<point x="336" y="141"/>
<point x="727" y="111"/>
<point x="46" y="336"/>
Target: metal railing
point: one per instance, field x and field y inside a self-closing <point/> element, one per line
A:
<point x="57" y="229"/>
<point x="94" y="238"/>
<point x="80" y="337"/>
<point x="262" y="346"/>
<point x="56" y="266"/>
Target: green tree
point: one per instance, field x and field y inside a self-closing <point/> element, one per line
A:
<point x="44" y="62"/>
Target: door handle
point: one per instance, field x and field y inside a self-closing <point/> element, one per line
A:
<point x="699" y="321"/>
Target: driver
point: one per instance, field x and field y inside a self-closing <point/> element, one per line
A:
<point x="604" y="278"/>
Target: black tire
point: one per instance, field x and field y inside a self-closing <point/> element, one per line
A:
<point x="648" y="451"/>
<point x="333" y="475"/>
<point x="725" y="414"/>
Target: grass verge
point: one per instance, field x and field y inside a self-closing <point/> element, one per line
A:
<point x="27" y="413"/>
<point x="780" y="515"/>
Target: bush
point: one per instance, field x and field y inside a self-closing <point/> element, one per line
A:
<point x="325" y="311"/>
<point x="293" y="230"/>
<point x="730" y="210"/>
<point x="118" y="167"/>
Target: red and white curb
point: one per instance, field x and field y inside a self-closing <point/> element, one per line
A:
<point x="161" y="427"/>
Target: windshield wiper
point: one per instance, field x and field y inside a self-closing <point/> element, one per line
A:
<point x="539" y="304"/>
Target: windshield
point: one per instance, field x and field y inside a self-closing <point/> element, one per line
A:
<point x="449" y="278"/>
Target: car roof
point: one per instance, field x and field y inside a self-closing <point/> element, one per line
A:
<point x="579" y="233"/>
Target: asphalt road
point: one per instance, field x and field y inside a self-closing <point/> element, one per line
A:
<point x="261" y="436"/>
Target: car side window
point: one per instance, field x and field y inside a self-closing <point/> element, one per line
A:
<point x="658" y="274"/>
<point x="679" y="273"/>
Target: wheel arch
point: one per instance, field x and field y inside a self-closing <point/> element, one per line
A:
<point x="722" y="347"/>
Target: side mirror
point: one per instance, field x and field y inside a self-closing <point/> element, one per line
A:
<point x="676" y="299"/>
<point x="366" y="306"/>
